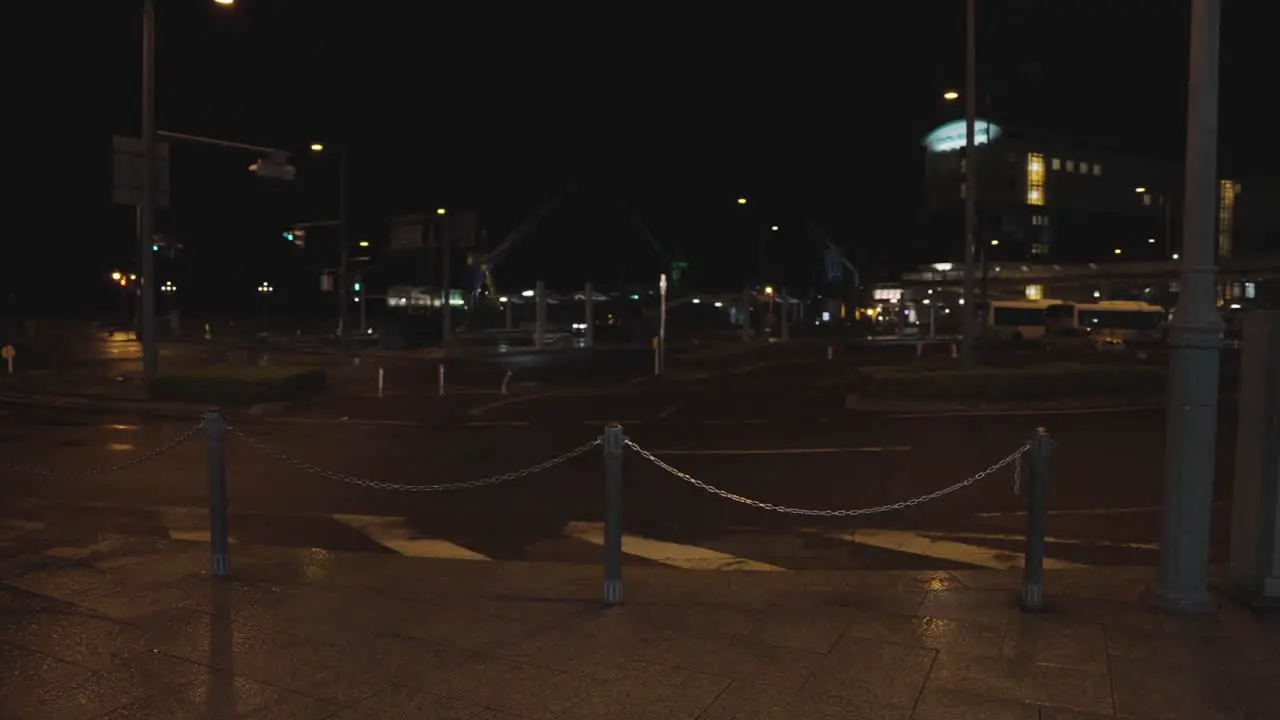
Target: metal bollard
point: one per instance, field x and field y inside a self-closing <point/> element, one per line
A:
<point x="1031" y="598"/>
<point x="216" y="427"/>
<point x="505" y="379"/>
<point x="381" y="376"/>
<point x="440" y="379"/>
<point x="614" y="444"/>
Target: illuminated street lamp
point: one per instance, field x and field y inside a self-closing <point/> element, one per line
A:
<point x="774" y="228"/>
<point x="266" y="289"/>
<point x="225" y="2"/>
<point x="116" y="276"/>
<point x="317" y="147"/>
<point x="742" y="201"/>
<point x="441" y="211"/>
<point x="168" y="288"/>
<point x="950" y="95"/>
<point x="364" y="243"/>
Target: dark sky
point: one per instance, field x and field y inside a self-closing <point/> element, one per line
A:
<point x="671" y="110"/>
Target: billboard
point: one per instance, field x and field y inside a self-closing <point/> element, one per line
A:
<point x="954" y="135"/>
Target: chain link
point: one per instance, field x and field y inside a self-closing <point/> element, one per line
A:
<point x="1012" y="457"/>
<point x="380" y="485"/>
<point x="107" y="470"/>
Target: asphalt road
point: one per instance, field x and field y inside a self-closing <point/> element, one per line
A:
<point x="791" y="447"/>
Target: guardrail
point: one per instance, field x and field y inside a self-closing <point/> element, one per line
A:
<point x="615" y="446"/>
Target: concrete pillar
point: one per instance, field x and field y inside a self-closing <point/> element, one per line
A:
<point x="1195" y="340"/>
<point x="1254" y="568"/>
<point x="540" y="315"/>
<point x="588" y="297"/>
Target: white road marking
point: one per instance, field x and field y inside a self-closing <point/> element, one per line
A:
<point x="784" y="451"/>
<point x="1059" y="411"/>
<point x="917" y="544"/>
<point x="399" y="535"/>
<point x="1055" y="540"/>
<point x="1086" y="511"/>
<point x="498" y="423"/>
<point x="688" y="557"/>
<point x="479" y="410"/>
<point x="340" y="421"/>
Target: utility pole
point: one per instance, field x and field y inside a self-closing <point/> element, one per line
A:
<point x="147" y="208"/>
<point x="446" y="329"/>
<point x="345" y="242"/>
<point x="1195" y="339"/>
<point x="969" y="327"/>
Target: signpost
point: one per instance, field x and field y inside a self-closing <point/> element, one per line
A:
<point x="8" y="354"/>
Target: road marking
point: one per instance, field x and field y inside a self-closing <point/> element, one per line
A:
<point x="498" y="423"/>
<point x="732" y="422"/>
<point x="339" y="421"/>
<point x="783" y="451"/>
<point x="667" y="413"/>
<point x="688" y="557"/>
<point x="399" y="535"/>
<point x="1059" y="411"/>
<point x="1086" y="511"/>
<point x="1055" y="540"/>
<point x="611" y="422"/>
<point x="635" y="380"/>
<point x="917" y="544"/>
<point x="479" y="410"/>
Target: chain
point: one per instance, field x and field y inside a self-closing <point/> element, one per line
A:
<point x="380" y="485"/>
<point x="107" y="470"/>
<point x="1012" y="457"/>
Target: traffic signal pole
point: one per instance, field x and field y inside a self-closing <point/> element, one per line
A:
<point x="147" y="206"/>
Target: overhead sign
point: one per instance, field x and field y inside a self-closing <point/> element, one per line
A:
<point x="275" y="166"/>
<point x="127" y="169"/>
<point x="408" y="233"/>
<point x="954" y="135"/>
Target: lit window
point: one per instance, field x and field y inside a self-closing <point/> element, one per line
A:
<point x="1039" y="248"/>
<point x="1035" y="179"/>
<point x="1250" y="291"/>
<point x="1146" y="198"/>
<point x="1084" y="168"/>
<point x="1097" y="170"/>
<point x="1035" y="292"/>
<point x="1071" y="166"/>
<point x="1057" y="163"/>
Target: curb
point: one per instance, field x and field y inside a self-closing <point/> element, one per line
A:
<point x="861" y="404"/>
<point x="143" y="407"/>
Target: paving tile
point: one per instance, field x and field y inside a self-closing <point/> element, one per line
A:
<point x="1170" y="691"/>
<point x="1050" y="640"/>
<point x="986" y="606"/>
<point x="71" y="693"/>
<point x="1024" y="681"/>
<point x="874" y="672"/>
<point x="528" y="691"/>
<point x="737" y="659"/>
<point x="75" y="635"/>
<point x="472" y="627"/>
<point x="600" y="647"/>
<point x="929" y="632"/>
<point x="397" y="702"/>
<point x="814" y="628"/>
<point x="70" y="582"/>
<point x="649" y="692"/>
<point x="942" y="703"/>
<point x="697" y="619"/>
<point x="751" y="701"/>
<point x="1049" y="712"/>
<point x="345" y="676"/>
<point x="1006" y="580"/>
<point x="210" y="640"/>
<point x="220" y="695"/>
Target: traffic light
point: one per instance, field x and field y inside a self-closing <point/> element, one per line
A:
<point x="288" y="235"/>
<point x="356" y="287"/>
<point x="295" y="236"/>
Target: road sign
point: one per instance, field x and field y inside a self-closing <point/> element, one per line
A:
<point x="8" y="354"/>
<point x="407" y="233"/>
<point x="127" y="168"/>
<point x="275" y="166"/>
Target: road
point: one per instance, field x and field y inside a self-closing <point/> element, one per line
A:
<point x="779" y="445"/>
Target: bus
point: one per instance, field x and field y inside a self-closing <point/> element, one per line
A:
<point x="1130" y="321"/>
<point x="1018" y="319"/>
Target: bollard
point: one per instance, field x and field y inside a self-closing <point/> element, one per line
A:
<point x="1032" y="596"/>
<point x="614" y="443"/>
<point x="505" y="379"/>
<point x="919" y="349"/>
<point x="440" y="379"/>
<point x="380" y="379"/>
<point x="830" y="352"/>
<point x="216" y="427"/>
<point x="953" y="351"/>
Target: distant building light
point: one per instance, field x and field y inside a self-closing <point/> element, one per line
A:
<point x="527" y="293"/>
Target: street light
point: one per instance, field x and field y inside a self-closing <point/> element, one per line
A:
<point x="266" y="289"/>
<point x="774" y="228"/>
<point x="317" y="147"/>
<point x="441" y="211"/>
<point x="343" y="241"/>
<point x="1168" y="223"/>
<point x="225" y="2"/>
<point x="116" y="276"/>
<point x="742" y="201"/>
<point x="168" y="288"/>
<point x="950" y="95"/>
<point x="364" y="243"/>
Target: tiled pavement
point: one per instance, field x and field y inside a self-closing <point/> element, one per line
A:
<point x="128" y="629"/>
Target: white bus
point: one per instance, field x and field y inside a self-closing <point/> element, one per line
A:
<point x="1018" y="319"/>
<point x="1127" y="320"/>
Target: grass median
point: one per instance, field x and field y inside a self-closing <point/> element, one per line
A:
<point x="239" y="384"/>
<point x="1049" y="381"/>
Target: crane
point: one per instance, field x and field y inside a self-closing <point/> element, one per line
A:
<point x="482" y="267"/>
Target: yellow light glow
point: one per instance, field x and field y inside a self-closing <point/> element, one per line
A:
<point x="1139" y="189"/>
<point x="768" y="289"/>
<point x="950" y="95"/>
<point x="441" y="211"/>
<point x="115" y="276"/>
<point x="316" y="147"/>
<point x="995" y="243"/>
<point x="1035" y="179"/>
<point x="225" y="2"/>
<point x="364" y="243"/>
<point x="1117" y="251"/>
<point x="742" y="201"/>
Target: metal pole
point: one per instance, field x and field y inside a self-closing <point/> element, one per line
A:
<point x="1168" y="228"/>
<point x="1031" y="598"/>
<point x="440" y="379"/>
<point x="614" y="443"/>
<point x="662" y="322"/>
<point x="364" y="317"/>
<point x="381" y="376"/>
<point x="1195" y="339"/>
<point x="446" y="312"/>
<point x="967" y="352"/>
<point x="785" y="316"/>
<point x="589" y="334"/>
<point x="216" y="429"/>
<point x="147" y="208"/>
<point x="508" y="314"/>
<point x="342" y="240"/>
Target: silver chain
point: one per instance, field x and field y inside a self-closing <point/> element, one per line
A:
<point x="107" y="470"/>
<point x="380" y="485"/>
<point x="1012" y="457"/>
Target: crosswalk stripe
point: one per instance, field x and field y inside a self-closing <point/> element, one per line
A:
<point x="918" y="544"/>
<point x="689" y="557"/>
<point x="398" y="534"/>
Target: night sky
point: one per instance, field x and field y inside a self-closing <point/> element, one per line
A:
<point x="664" y="111"/>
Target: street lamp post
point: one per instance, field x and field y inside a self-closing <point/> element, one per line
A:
<point x="1163" y="199"/>
<point x="343" y="235"/>
<point x="265" y="290"/>
<point x="968" y="341"/>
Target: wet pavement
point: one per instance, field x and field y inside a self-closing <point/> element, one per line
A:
<point x="123" y="628"/>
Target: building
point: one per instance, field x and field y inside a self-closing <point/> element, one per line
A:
<point x="1046" y="200"/>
